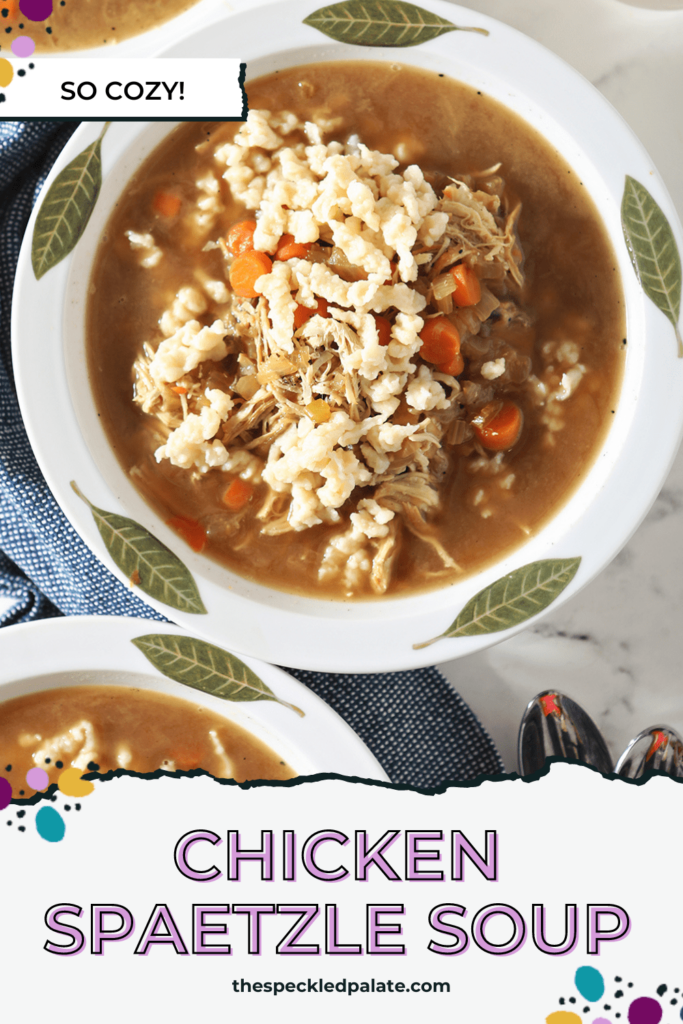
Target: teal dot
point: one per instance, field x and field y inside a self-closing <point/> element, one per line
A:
<point x="590" y="983"/>
<point x="50" y="824"/>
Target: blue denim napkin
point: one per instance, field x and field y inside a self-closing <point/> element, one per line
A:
<point x="416" y="725"/>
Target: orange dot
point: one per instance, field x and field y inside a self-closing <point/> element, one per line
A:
<point x="6" y="72"/>
<point x="71" y="784"/>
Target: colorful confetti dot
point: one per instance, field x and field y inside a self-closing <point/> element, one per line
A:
<point x="36" y="10"/>
<point x="590" y="983"/>
<point x="37" y="778"/>
<point x="50" y="824"/>
<point x="6" y="72"/>
<point x="563" y="1017"/>
<point x="644" y="1011"/>
<point x="71" y="784"/>
<point x="5" y="793"/>
<point x="23" y="46"/>
<point x="601" y="1020"/>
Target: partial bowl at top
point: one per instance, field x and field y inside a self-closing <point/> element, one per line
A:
<point x="117" y="28"/>
<point x="638" y="424"/>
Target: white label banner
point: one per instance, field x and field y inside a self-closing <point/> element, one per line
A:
<point x="128" y="89"/>
<point x="506" y="902"/>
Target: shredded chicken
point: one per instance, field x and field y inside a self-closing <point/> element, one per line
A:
<point x="343" y="425"/>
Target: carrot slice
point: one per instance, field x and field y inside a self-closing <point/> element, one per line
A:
<point x="467" y="287"/>
<point x="383" y="329"/>
<point x="241" y="237"/>
<point x="246" y="270"/>
<point x="187" y="758"/>
<point x="440" y="341"/>
<point x="167" y="204"/>
<point x="454" y="366"/>
<point x="288" y="249"/>
<point x="501" y="430"/>
<point x="304" y="313"/>
<point x="190" y="530"/>
<point x="238" y="494"/>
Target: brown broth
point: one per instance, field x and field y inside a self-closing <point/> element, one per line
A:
<point x="154" y="727"/>
<point x="82" y="24"/>
<point x="572" y="290"/>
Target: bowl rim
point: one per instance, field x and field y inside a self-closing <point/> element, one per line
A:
<point x="98" y="650"/>
<point x="379" y="635"/>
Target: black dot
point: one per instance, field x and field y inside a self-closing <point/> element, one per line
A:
<point x="21" y="814"/>
<point x="561" y="1000"/>
<point x="8" y="768"/>
<point x="22" y="828"/>
<point x="2" y="97"/>
<point x="9" y="822"/>
<point x="571" y="999"/>
<point x="661" y="989"/>
<point x="607" y="1006"/>
<point x="5" y="12"/>
<point x="8" y="30"/>
<point x="67" y="807"/>
<point x="630" y="984"/>
<point x="31" y="66"/>
<point x="617" y="979"/>
<point x="618" y="994"/>
<point x="78" y="807"/>
<point x="59" y="764"/>
<point x="586" y="1009"/>
<point x="21" y="792"/>
<point x="21" y="72"/>
<point x="92" y="767"/>
<point x="53" y="798"/>
<point x="49" y="31"/>
<point x="47" y="760"/>
<point x="673" y="1002"/>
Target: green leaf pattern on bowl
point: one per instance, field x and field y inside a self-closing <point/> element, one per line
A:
<point x="512" y="599"/>
<point x="381" y="23"/>
<point x="67" y="207"/>
<point x="653" y="251"/>
<point x="146" y="562"/>
<point x="206" y="667"/>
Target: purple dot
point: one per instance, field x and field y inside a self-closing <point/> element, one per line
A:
<point x="601" y="1020"/>
<point x="23" y="46"/>
<point x="36" y="10"/>
<point x="37" y="778"/>
<point x="645" y="1011"/>
<point x="5" y="793"/>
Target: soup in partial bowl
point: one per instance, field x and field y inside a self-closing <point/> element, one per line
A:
<point x="375" y="366"/>
<point x="80" y="693"/>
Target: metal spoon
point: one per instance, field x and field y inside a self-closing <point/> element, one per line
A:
<point x="658" y="748"/>
<point x="556" y="726"/>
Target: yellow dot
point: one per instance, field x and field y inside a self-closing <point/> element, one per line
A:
<point x="6" y="72"/>
<point x="563" y="1017"/>
<point x="71" y="784"/>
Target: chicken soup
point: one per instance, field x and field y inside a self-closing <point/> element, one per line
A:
<point x="102" y="728"/>
<point x="364" y="344"/>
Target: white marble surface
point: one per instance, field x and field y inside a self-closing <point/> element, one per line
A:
<point x="616" y="648"/>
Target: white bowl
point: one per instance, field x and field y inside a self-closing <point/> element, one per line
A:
<point x="98" y="650"/>
<point x="382" y="635"/>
